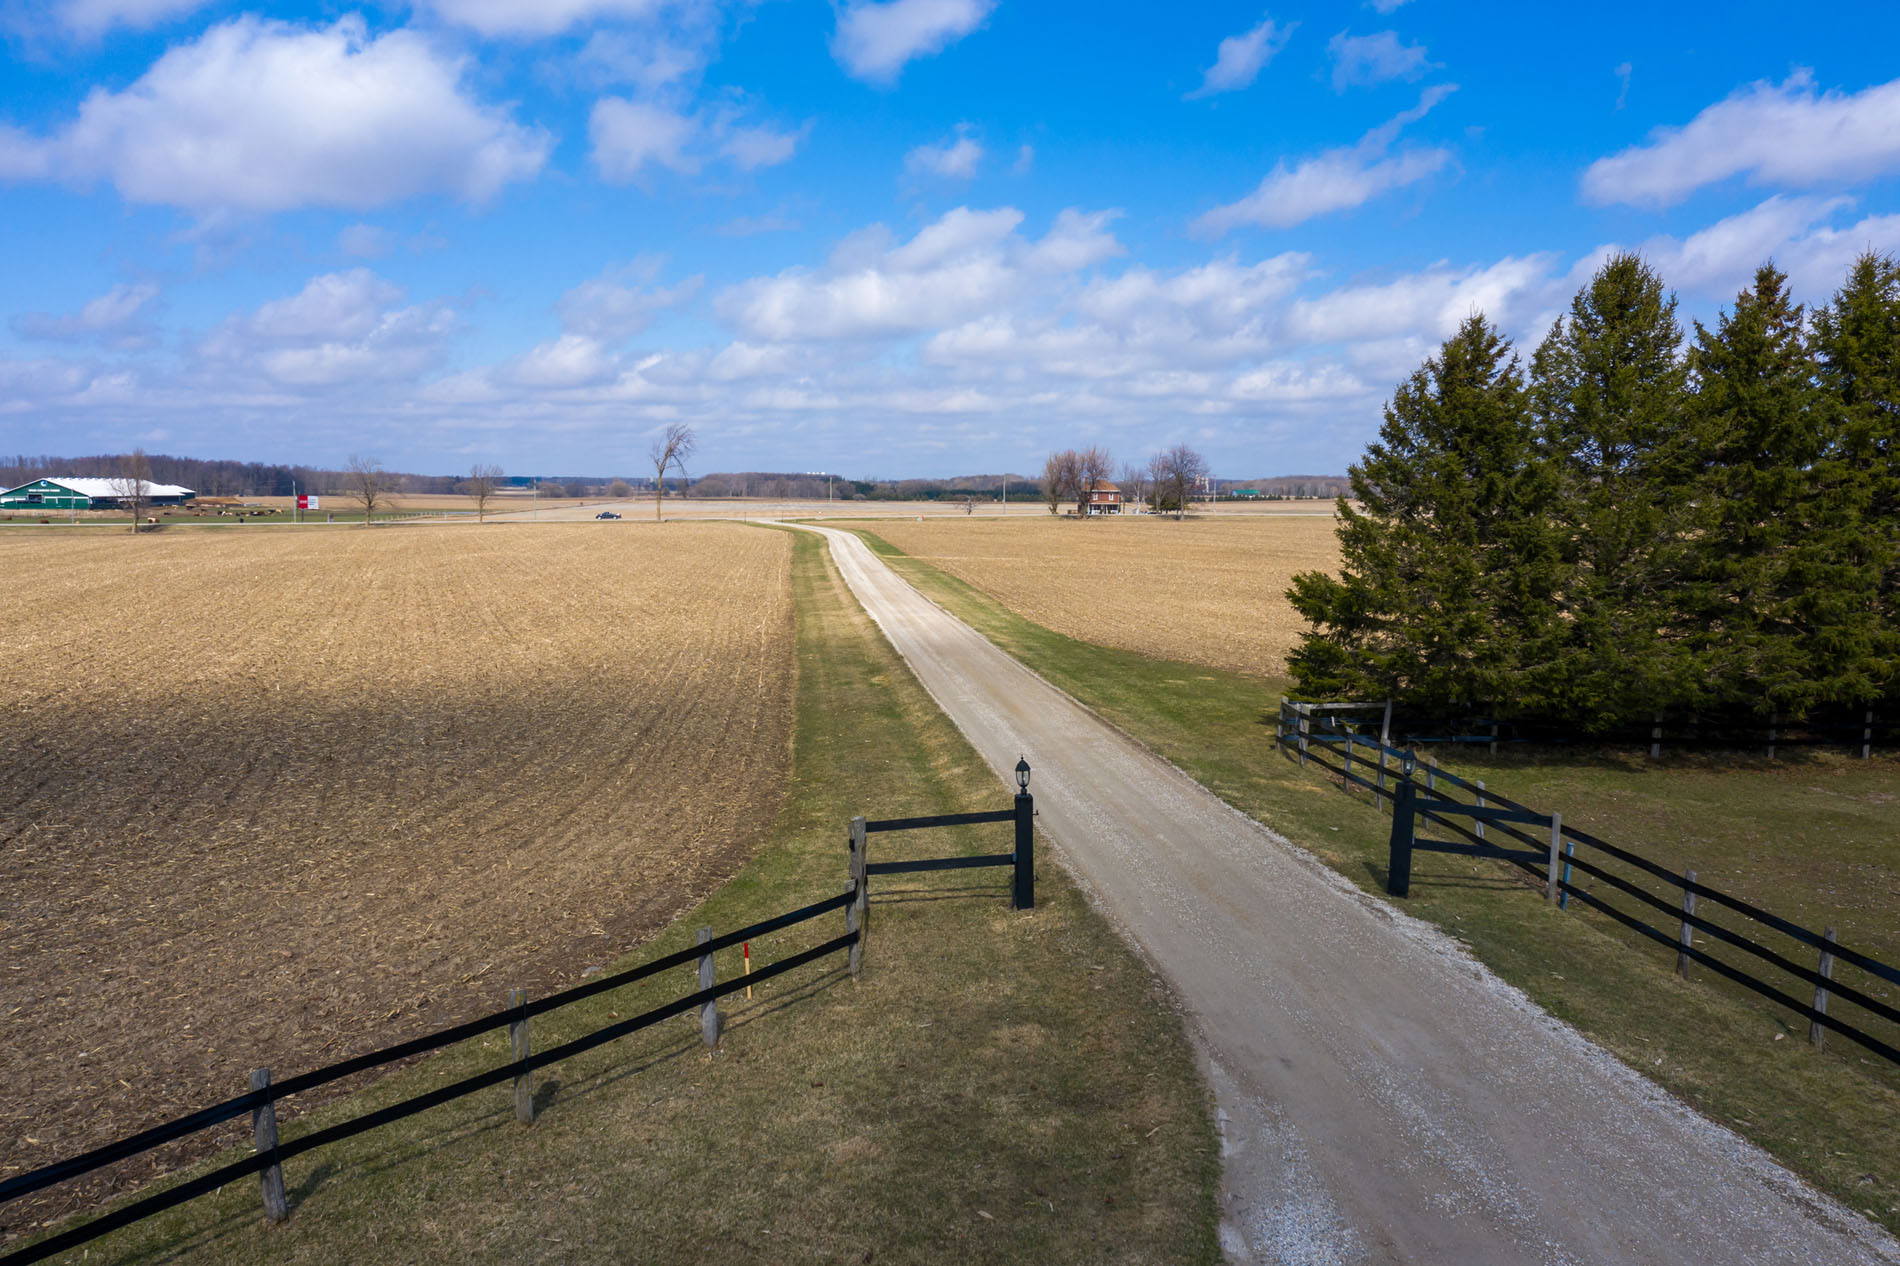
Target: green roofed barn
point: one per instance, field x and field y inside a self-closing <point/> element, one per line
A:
<point x="73" y="492"/>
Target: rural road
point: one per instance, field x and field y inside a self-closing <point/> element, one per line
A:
<point x="1382" y="1096"/>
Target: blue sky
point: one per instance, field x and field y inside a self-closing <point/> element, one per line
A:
<point x="905" y="238"/>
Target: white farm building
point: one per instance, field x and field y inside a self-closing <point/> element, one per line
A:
<point x="82" y="492"/>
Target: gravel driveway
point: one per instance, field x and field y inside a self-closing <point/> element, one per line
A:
<point x="1382" y="1096"/>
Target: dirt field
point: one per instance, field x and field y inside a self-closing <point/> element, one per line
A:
<point x="1208" y="591"/>
<point x="280" y="798"/>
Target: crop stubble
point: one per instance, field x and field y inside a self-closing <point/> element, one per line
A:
<point x="283" y="798"/>
<point x="1205" y="591"/>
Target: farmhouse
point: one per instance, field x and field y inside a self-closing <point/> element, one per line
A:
<point x="77" y="492"/>
<point x="1103" y="498"/>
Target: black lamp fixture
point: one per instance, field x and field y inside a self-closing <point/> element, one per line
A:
<point x="1022" y="776"/>
<point x="1409" y="763"/>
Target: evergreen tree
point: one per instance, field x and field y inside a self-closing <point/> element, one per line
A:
<point x="1444" y="598"/>
<point x="1765" y="580"/>
<point x="1608" y="390"/>
<point x="1857" y="342"/>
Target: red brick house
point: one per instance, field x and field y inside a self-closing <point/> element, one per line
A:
<point x="1103" y="498"/>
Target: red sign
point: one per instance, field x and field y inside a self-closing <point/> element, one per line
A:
<point x="303" y="503"/>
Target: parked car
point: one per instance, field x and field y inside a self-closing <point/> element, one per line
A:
<point x="606" y="514"/>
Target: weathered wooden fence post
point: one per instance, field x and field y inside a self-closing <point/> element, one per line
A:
<point x="1563" y="894"/>
<point x="1551" y="889"/>
<point x="1477" y="825"/>
<point x="1431" y="774"/>
<point x="264" y="1137"/>
<point x="1025" y="894"/>
<point x="855" y="914"/>
<point x="1349" y="761"/>
<point x="709" y="1009"/>
<point x="1774" y="719"/>
<point x="1685" y="936"/>
<point x="1655" y="738"/>
<point x="518" y="1051"/>
<point x="1867" y="735"/>
<point x="1398" y="867"/>
<point x="1306" y="728"/>
<point x="1817" y="1031"/>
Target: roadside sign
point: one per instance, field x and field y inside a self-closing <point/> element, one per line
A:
<point x="306" y="502"/>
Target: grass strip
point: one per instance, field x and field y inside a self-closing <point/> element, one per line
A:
<point x="1817" y="833"/>
<point x="997" y="1087"/>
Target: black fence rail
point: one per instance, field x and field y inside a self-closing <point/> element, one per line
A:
<point x="1625" y="883"/>
<point x="260" y="1102"/>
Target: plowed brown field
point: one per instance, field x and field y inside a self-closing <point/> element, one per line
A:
<point x="282" y="797"/>
<point x="1207" y="591"/>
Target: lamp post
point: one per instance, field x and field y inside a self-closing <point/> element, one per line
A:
<point x="1025" y="894"/>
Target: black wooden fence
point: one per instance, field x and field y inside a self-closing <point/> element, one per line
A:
<point x="260" y="1102"/>
<point x="1490" y="825"/>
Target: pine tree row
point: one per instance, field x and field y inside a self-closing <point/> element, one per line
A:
<point x="1631" y="527"/>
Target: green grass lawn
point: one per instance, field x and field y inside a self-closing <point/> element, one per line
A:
<point x="1815" y="838"/>
<point x="999" y="1086"/>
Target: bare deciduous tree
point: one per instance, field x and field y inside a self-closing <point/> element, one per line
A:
<point x="1134" y="483"/>
<point x="367" y="484"/>
<point x="1093" y="466"/>
<point x="480" y="487"/>
<point x="669" y="452"/>
<point x="619" y="490"/>
<point x="1060" y="474"/>
<point x="1175" y="473"/>
<point x="132" y="486"/>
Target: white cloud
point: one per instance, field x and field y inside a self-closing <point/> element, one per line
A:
<point x="572" y="360"/>
<point x="1374" y="59"/>
<point x="627" y="135"/>
<point x="1717" y="261"/>
<point x="1240" y="58"/>
<point x="340" y="328"/>
<point x="963" y="263"/>
<point x="648" y="60"/>
<point x="615" y="306"/>
<point x="1786" y="135"/>
<point x="1429" y="304"/>
<point x="263" y="116"/>
<point x="952" y="160"/>
<point x="1025" y="160"/>
<point x="1388" y="6"/>
<point x="873" y="42"/>
<point x="1336" y="180"/>
<point x="534" y="18"/>
<point x="754" y="147"/>
<point x="90" y="18"/>
<point x="120" y="318"/>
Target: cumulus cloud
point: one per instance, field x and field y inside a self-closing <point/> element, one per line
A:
<point x="1428" y="304"/>
<point x="953" y="160"/>
<point x="345" y="327"/>
<point x="263" y="116"/>
<point x="120" y="319"/>
<point x="1373" y="59"/>
<point x="963" y="263"/>
<point x="621" y="302"/>
<point x="1337" y="179"/>
<point x="874" y="42"/>
<point x="628" y="135"/>
<point x="534" y="18"/>
<point x="1239" y="59"/>
<point x="1718" y="260"/>
<point x="1787" y="135"/>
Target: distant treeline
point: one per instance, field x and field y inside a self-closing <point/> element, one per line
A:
<point x="212" y="478"/>
<point x="1635" y="525"/>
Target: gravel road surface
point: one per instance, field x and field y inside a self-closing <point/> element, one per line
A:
<point x="1382" y="1096"/>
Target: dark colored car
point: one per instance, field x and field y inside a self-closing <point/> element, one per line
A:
<point x="606" y="514"/>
